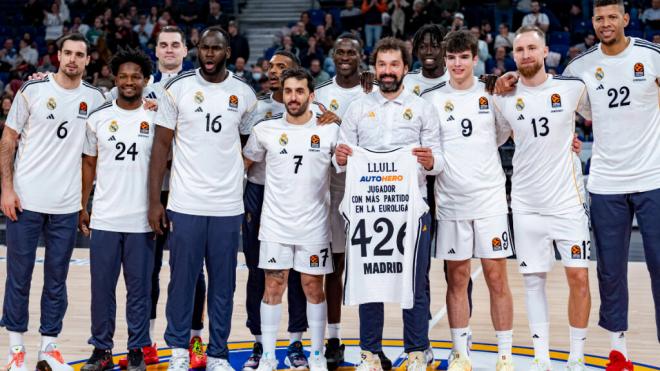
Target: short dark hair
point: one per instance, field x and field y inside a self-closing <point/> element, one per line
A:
<point x="172" y="29"/>
<point x="298" y="74"/>
<point x="288" y="54"/>
<point x="349" y="36"/>
<point x="460" y="41"/>
<point x="76" y="36"/>
<point x="392" y="44"/>
<point x="219" y="29"/>
<point x="599" y="3"/>
<point x="535" y="29"/>
<point x="128" y="54"/>
<point x="436" y="32"/>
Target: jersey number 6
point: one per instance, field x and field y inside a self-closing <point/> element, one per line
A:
<point x="379" y="225"/>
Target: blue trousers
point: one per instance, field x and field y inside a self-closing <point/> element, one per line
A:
<point x="194" y="240"/>
<point x="415" y="320"/>
<point x="109" y="252"/>
<point x="253" y="198"/>
<point x="611" y="219"/>
<point x="22" y="237"/>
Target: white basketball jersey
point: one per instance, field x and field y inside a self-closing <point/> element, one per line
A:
<point x="416" y="83"/>
<point x="121" y="140"/>
<point x="296" y="196"/>
<point x="547" y="174"/>
<point x="207" y="166"/>
<point x="382" y="207"/>
<point x="337" y="99"/>
<point x="623" y="92"/>
<point x="471" y="186"/>
<point x="267" y="107"/>
<point x="51" y="123"/>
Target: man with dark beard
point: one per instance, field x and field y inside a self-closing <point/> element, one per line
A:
<point x="205" y="206"/>
<point x="384" y="120"/>
<point x="547" y="195"/>
<point x="49" y="114"/>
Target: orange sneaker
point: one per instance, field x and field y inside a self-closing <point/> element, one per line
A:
<point x="150" y="353"/>
<point x="16" y="359"/>
<point x="197" y="355"/>
<point x="618" y="362"/>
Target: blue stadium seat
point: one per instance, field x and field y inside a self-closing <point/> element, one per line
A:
<point x="559" y="38"/>
<point x="635" y="33"/>
<point x="316" y="16"/>
<point x="560" y="48"/>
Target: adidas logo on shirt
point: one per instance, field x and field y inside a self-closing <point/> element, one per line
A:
<point x="272" y="260"/>
<point x="151" y="95"/>
<point x="112" y="139"/>
<point x="523" y="264"/>
<point x="536" y="337"/>
<point x="452" y="251"/>
<point x="283" y="151"/>
<point x="451" y="118"/>
<point x="521" y="117"/>
<point x="51" y="117"/>
<point x="600" y="87"/>
<point x="199" y="109"/>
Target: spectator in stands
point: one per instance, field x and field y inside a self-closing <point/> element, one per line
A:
<point x="257" y="74"/>
<point x="153" y="15"/>
<point x="170" y="7"/>
<point x="504" y="12"/>
<point x="651" y="16"/>
<point x="589" y="41"/>
<point x="287" y="44"/>
<point x="33" y="13"/>
<point x="164" y="20"/>
<point x="124" y="35"/>
<point x="65" y="14"/>
<point x="216" y="16"/>
<point x="133" y="15"/>
<point x="486" y="33"/>
<point x="573" y="52"/>
<point x="501" y="62"/>
<point x="5" y="105"/>
<point x="417" y="18"/>
<point x="53" y="22"/>
<point x="240" y="71"/>
<point x="45" y="65"/>
<point x="504" y="38"/>
<point x="94" y="66"/>
<point x="238" y="43"/>
<point x="317" y="72"/>
<point x="104" y="80"/>
<point x="373" y="20"/>
<point x="656" y="38"/>
<point x="96" y="31"/>
<point x="264" y="86"/>
<point x="329" y="25"/>
<point x="313" y="51"/>
<point x="28" y="53"/>
<point x="536" y="18"/>
<point x="8" y="53"/>
<point x="482" y="52"/>
<point x="299" y="35"/>
<point x="459" y="23"/>
<point x="400" y="12"/>
<point x="193" y="39"/>
<point x="307" y="23"/>
<point x="351" y="17"/>
<point x="15" y="83"/>
<point x="190" y="14"/>
<point x="143" y="30"/>
<point x="78" y="26"/>
<point x="325" y="41"/>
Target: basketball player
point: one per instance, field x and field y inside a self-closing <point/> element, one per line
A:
<point x="118" y="142"/>
<point x="297" y="153"/>
<point x="49" y="114"/>
<point x="472" y="207"/>
<point x="336" y="95"/>
<point x="267" y="107"/>
<point x="621" y="74"/>
<point x="547" y="196"/>
<point x="382" y="120"/>
<point x="205" y="205"/>
<point x="427" y="47"/>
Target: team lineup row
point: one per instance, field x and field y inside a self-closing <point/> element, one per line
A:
<point x="297" y="156"/>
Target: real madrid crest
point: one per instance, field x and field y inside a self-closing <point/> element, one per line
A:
<point x="284" y="139"/>
<point x="449" y="106"/>
<point x="599" y="74"/>
<point x="199" y="97"/>
<point x="113" y="126"/>
<point x="417" y="90"/>
<point x="408" y="114"/>
<point x="51" y="104"/>
<point x="520" y="105"/>
<point x="334" y="105"/>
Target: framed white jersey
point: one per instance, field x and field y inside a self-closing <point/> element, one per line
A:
<point x="121" y="140"/>
<point x="207" y="166"/>
<point x="51" y="123"/>
<point x="547" y="174"/>
<point x="296" y="194"/>
<point x="623" y="90"/>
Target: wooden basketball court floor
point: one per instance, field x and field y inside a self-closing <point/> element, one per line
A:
<point x="643" y="346"/>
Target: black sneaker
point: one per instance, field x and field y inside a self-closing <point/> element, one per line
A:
<point x="334" y="353"/>
<point x="136" y="360"/>
<point x="385" y="362"/>
<point x="100" y="360"/>
<point x="295" y="357"/>
<point x="252" y="362"/>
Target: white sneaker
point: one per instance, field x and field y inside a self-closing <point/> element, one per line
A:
<point x="416" y="361"/>
<point x="428" y="354"/>
<point x="576" y="365"/>
<point x="538" y="365"/>
<point x="369" y="362"/>
<point x="218" y="364"/>
<point x="54" y="358"/>
<point x="267" y="364"/>
<point x="16" y="359"/>
<point x="179" y="360"/>
<point x="317" y="362"/>
<point x="504" y="363"/>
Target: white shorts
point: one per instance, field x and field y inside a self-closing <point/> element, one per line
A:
<point x="537" y="235"/>
<point x="310" y="259"/>
<point x="486" y="238"/>
<point x="337" y="223"/>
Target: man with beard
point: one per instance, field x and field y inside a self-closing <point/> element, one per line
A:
<point x="547" y="195"/>
<point x="267" y="107"/>
<point x="406" y="120"/>
<point x="118" y="141"/>
<point x="294" y="230"/>
<point x="49" y="114"/>
<point x="336" y="95"/>
<point x="205" y="206"/>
